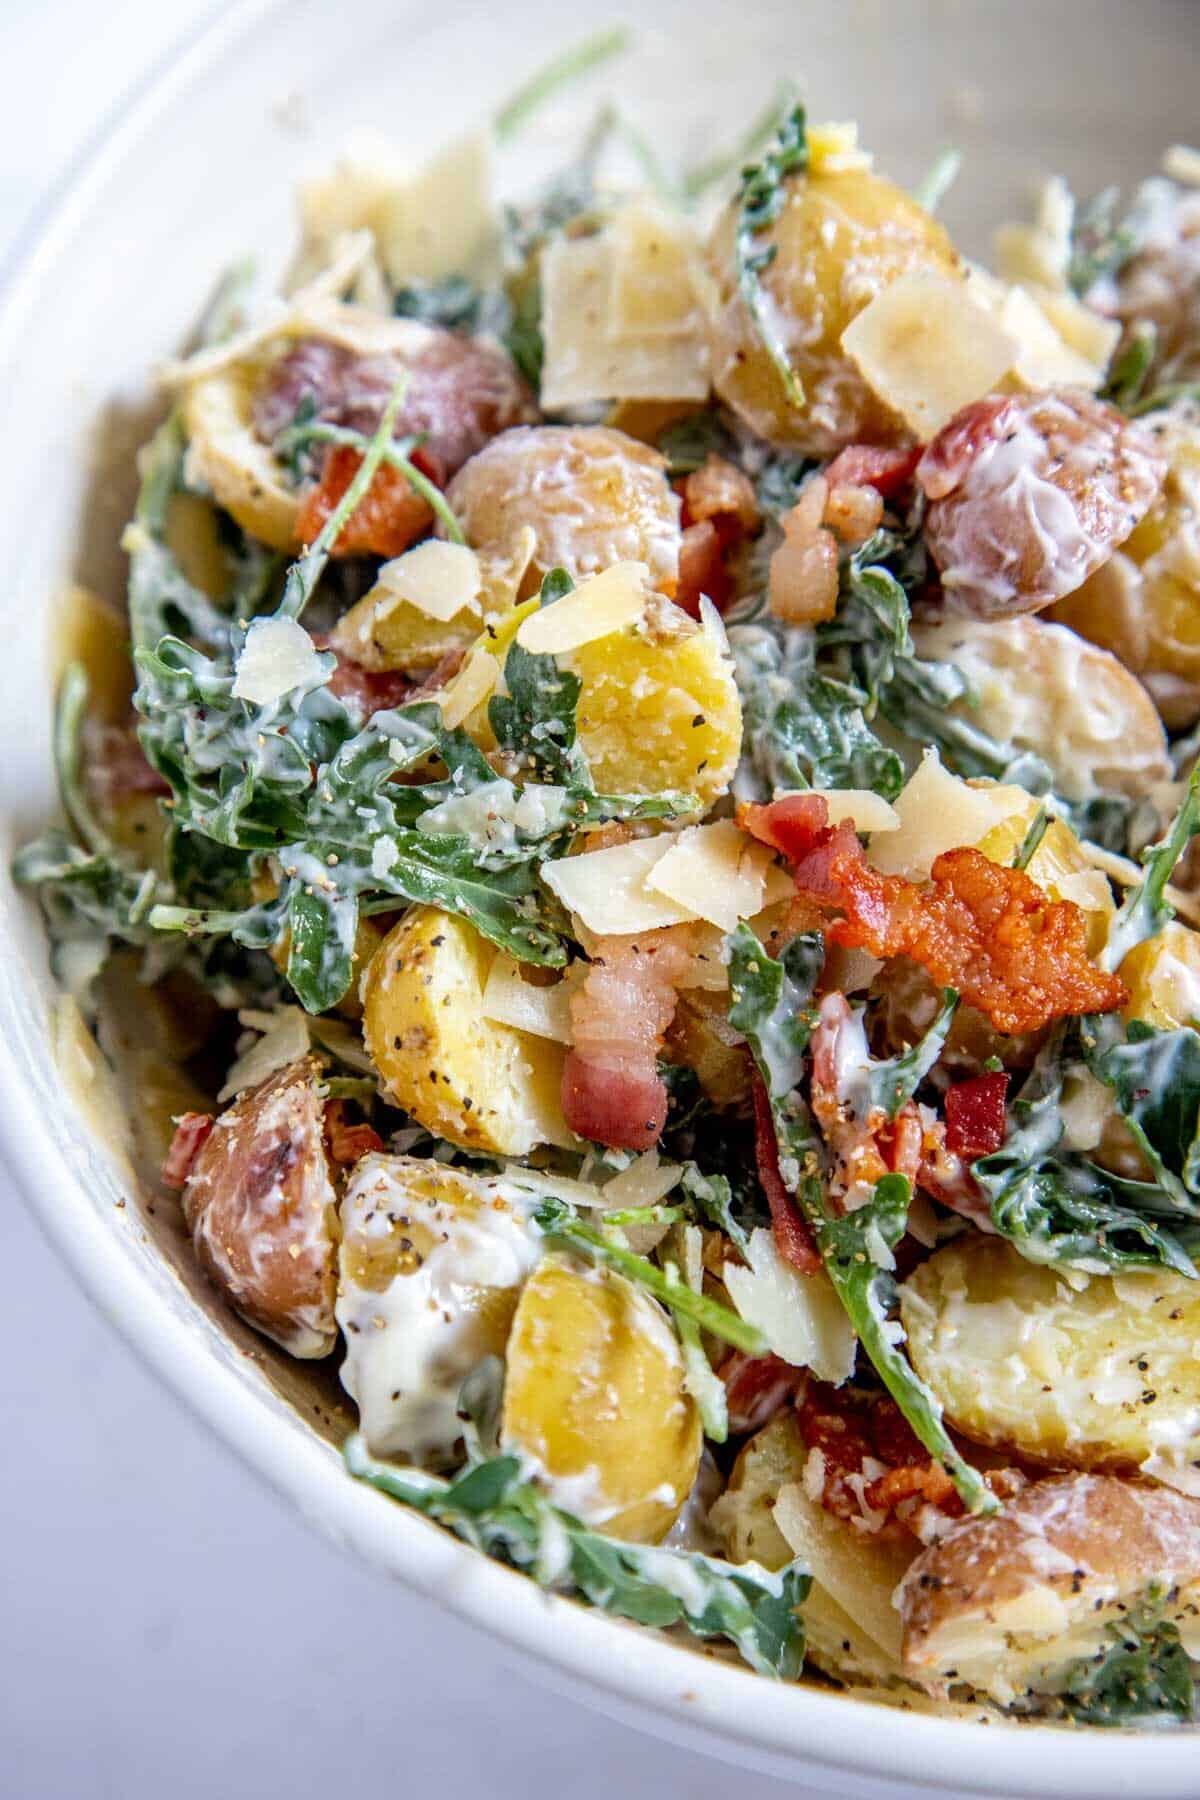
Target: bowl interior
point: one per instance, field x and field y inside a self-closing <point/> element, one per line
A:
<point x="200" y="170"/>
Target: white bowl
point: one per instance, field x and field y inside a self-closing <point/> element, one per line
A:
<point x="196" y="170"/>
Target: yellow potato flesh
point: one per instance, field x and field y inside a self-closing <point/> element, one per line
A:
<point x="594" y="1394"/>
<point x="1163" y="978"/>
<point x="1101" y="1375"/>
<point x="1059" y="866"/>
<point x="841" y="238"/>
<point x="480" y="1084"/>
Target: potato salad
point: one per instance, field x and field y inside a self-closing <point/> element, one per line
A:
<point x="636" y="815"/>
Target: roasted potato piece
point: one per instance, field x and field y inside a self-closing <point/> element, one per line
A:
<point x="591" y="495"/>
<point x="1029" y="494"/>
<point x="431" y="1264"/>
<point x="226" y="455"/>
<point x="1163" y="977"/>
<point x="1009" y="1603"/>
<point x="594" y="1395"/>
<point x="1144" y="603"/>
<point x="261" y="1209"/>
<point x="841" y="238"/>
<point x="1096" y="1373"/>
<point x="481" y="1084"/>
<point x="386" y="631"/>
<point x="851" y="1629"/>
<point x="701" y="1037"/>
<point x="1041" y="688"/>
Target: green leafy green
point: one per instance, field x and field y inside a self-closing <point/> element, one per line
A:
<point x="561" y="1225"/>
<point x="1155" y="1079"/>
<point x="688" y="443"/>
<point x="455" y="303"/>
<point x="1144" y="1674"/>
<point x="1131" y="366"/>
<point x="772" y="1001"/>
<point x="712" y="1197"/>
<point x="761" y="197"/>
<point x="493" y="1506"/>
<point x="570" y="66"/>
<point x="713" y="169"/>
<point x="932" y="189"/>
<point x="1146" y="909"/>
<point x="891" y="1083"/>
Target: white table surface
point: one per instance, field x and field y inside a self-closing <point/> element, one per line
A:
<point x="167" y="1627"/>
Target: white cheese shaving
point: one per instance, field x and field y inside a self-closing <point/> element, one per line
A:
<point x="440" y="580"/>
<point x="652" y="293"/>
<point x="277" y="657"/>
<point x="866" y="811"/>
<point x="646" y="1181"/>
<point x="927" y="350"/>
<point x="607" y="889"/>
<point x="800" y="1316"/>
<point x="714" y="871"/>
<point x="285" y="1040"/>
<point x="544" y="1012"/>
<point x="469" y="688"/>
<point x="937" y="811"/>
<point x="608" y="602"/>
<point x="439" y="221"/>
<point x="584" y="361"/>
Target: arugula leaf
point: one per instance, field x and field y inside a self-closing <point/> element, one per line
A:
<point x="570" y="66"/>
<point x="688" y="443"/>
<point x="1146" y="908"/>
<point x="715" y="168"/>
<point x="891" y="1083"/>
<point x="455" y="303"/>
<point x="1144" y="1675"/>
<point x="712" y="1195"/>
<point x="761" y="196"/>
<point x="560" y="1224"/>
<point x="495" y="1508"/>
<point x="932" y="189"/>
<point x="1101" y="241"/>
<point x="1130" y="368"/>
<point x="1155" y="1078"/>
<point x="773" y="1010"/>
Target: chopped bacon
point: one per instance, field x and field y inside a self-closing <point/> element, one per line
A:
<point x="975" y="1116"/>
<point x="720" y="492"/>
<point x="853" y="1435"/>
<point x="757" y="1387"/>
<point x="191" y="1135"/>
<point x="117" y="766"/>
<point x="870" y="465"/>
<point x="346" y="1141"/>
<point x="802" y="583"/>
<point x="988" y="931"/>
<point x="365" y="691"/>
<point x="702" y="570"/>
<point x="389" y="517"/>
<point x="443" y="670"/>
<point x="793" y="1239"/>
<point x="611" y="1089"/>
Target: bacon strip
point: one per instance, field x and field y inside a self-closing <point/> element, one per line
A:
<point x="870" y="465"/>
<point x="191" y="1134"/>
<point x="757" y="1387"/>
<point x="975" y="1116"/>
<point x="990" y="932"/>
<point x="793" y="1239"/>
<point x="345" y="1141"/>
<point x="365" y="691"/>
<point x="611" y="1089"/>
<point x="389" y="517"/>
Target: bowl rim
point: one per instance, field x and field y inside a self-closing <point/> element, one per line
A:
<point x="637" y="1675"/>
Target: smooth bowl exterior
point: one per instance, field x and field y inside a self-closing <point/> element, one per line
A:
<point x="198" y="170"/>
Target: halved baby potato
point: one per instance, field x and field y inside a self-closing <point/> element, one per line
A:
<point x="261" y="1209"/>
<point x="226" y="455"/>
<point x="431" y="1264"/>
<point x="1094" y="1372"/>
<point x="1163" y="977"/>
<point x="470" y="1079"/>
<point x="594" y="1396"/>
<point x="851" y="1629"/>
<point x="1011" y="1603"/>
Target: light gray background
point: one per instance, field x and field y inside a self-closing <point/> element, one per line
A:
<point x="167" y="1628"/>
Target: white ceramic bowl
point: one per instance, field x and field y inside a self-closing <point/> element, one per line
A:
<point x="196" y="170"/>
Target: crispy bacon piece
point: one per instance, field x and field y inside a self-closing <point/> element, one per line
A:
<point x="793" y="1239"/>
<point x="975" y="1116"/>
<point x="389" y="517"/>
<point x="347" y="1140"/>
<point x="802" y="583"/>
<point x="365" y="691"/>
<point x="854" y="1434"/>
<point x="720" y="492"/>
<point x="757" y="1387"/>
<point x="191" y="1135"/>
<point x="702" y="570"/>
<point x="871" y="465"/>
<point x="988" y="931"/>
<point x="611" y="1089"/>
<point x="442" y="671"/>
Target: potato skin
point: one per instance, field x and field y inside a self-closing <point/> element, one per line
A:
<point x="591" y="495"/>
<point x="594" y="1393"/>
<point x="1009" y="1603"/>
<point x="1144" y="604"/>
<point x="226" y="454"/>
<point x="261" y="1209"/>
<point x="480" y="1084"/>
<point x="841" y="238"/>
<point x="1098" y="1377"/>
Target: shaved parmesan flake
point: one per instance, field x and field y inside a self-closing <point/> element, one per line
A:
<point x="858" y="1569"/>
<point x="1040" y="253"/>
<point x="1182" y="163"/>
<point x="1042" y="358"/>
<point x="800" y="1316"/>
<point x="1086" y="332"/>
<point x="653" y="293"/>
<point x="470" y="687"/>
<point x="833" y="149"/>
<point x="937" y="811"/>
<point x="606" y="603"/>
<point x="646" y="1181"/>
<point x="542" y="1011"/>
<point x="285" y="1040"/>
<point x="927" y="350"/>
<point x="607" y="889"/>
<point x="438" y="221"/>
<point x="439" y="579"/>
<point x="715" y="871"/>
<point x="583" y="362"/>
<point x="865" y="810"/>
<point x="277" y="656"/>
